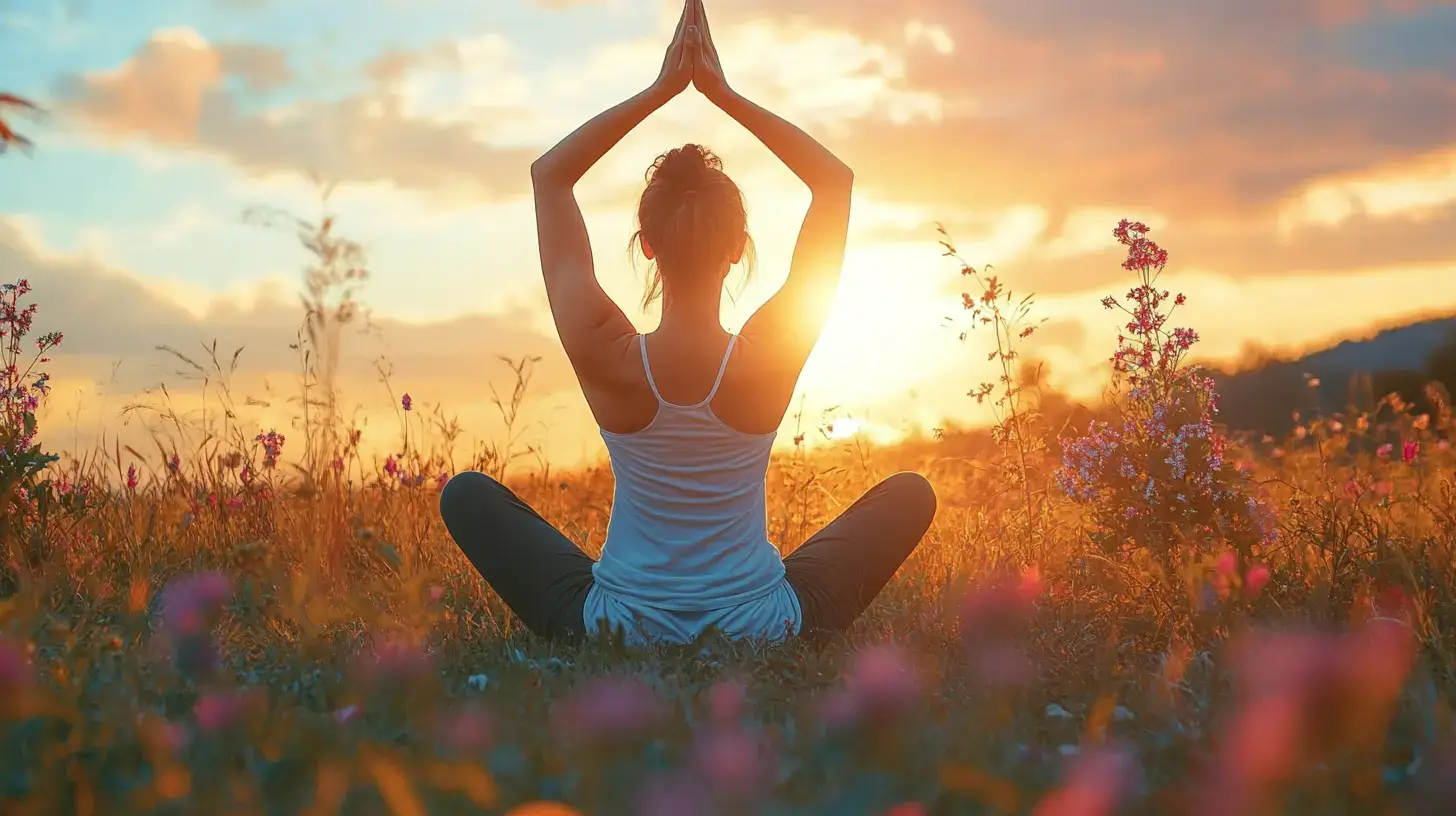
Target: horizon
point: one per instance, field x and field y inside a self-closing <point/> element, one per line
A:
<point x="1320" y="165"/>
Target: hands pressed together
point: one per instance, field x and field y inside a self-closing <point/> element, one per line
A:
<point x="692" y="59"/>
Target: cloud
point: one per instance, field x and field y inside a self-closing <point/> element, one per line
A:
<point x="172" y="92"/>
<point x="1193" y="109"/>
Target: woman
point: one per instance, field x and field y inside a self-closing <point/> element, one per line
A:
<point x="688" y="412"/>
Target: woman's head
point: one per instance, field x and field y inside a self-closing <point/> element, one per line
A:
<point x="691" y="223"/>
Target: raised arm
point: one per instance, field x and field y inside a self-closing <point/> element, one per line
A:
<point x="793" y="318"/>
<point x="586" y="318"/>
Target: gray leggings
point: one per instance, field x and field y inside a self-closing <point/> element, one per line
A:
<point x="544" y="578"/>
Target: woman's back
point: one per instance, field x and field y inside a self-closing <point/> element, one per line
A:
<point x="688" y="523"/>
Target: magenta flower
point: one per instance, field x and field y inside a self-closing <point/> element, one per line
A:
<point x="272" y="443"/>
<point x="190" y="602"/>
<point x="734" y="763"/>
<point x="1255" y="580"/>
<point x="16" y="676"/>
<point x="221" y="710"/>
<point x="1409" y="450"/>
<point x="607" y="710"/>
<point x="395" y="660"/>
<point x="131" y="477"/>
<point x="406" y="403"/>
<point x="1385" y="450"/>
<point x="467" y="730"/>
<point x="726" y="702"/>
<point x="391" y="467"/>
<point x="1095" y="786"/>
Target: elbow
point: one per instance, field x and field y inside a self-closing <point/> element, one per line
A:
<point x="544" y="171"/>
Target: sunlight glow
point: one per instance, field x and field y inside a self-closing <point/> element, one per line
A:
<point x="843" y="428"/>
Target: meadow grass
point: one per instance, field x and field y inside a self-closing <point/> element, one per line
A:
<point x="202" y="629"/>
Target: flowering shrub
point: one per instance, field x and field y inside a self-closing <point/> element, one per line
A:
<point x="1155" y="475"/>
<point x="22" y="389"/>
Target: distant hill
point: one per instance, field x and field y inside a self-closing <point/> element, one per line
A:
<point x="1351" y="373"/>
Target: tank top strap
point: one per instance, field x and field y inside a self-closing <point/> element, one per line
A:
<point x="722" y="368"/>
<point x="647" y="367"/>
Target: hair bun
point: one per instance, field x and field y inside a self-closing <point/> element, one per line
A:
<point x="685" y="166"/>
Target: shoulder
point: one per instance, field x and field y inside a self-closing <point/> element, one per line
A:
<point x="610" y="359"/>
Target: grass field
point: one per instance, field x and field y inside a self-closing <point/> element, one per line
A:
<point x="197" y="628"/>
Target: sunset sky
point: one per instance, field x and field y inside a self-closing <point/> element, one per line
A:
<point x="1297" y="158"/>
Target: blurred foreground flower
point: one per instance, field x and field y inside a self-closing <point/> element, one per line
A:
<point x="1097" y="782"/>
<point x="880" y="685"/>
<point x="608" y="710"/>
<point x="17" y="675"/>
<point x="994" y="619"/>
<point x="1303" y="697"/>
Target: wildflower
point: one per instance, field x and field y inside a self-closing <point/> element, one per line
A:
<point x="436" y="594"/>
<point x="1409" y="450"/>
<point x="1385" y="450"/>
<point x="221" y="710"/>
<point x="1384" y="487"/>
<point x="442" y="480"/>
<point x="272" y="443"/>
<point x="1096" y="784"/>
<point x="190" y="601"/>
<point x="1444" y="444"/>
<point x="246" y="474"/>
<point x="1353" y="489"/>
<point x="726" y="703"/>
<point x="883" y="679"/>
<point x="468" y="730"/>
<point x="235" y="504"/>
<point x="1227" y="563"/>
<point x="609" y="709"/>
<point x="338" y="463"/>
<point x="346" y="715"/>
<point x="131" y="477"/>
<point x="733" y="762"/>
<point x="1255" y="580"/>
<point x="1304" y="696"/>
<point x="174" y="463"/>
<point x="993" y="618"/>
<point x="16" y="676"/>
<point x="405" y="402"/>
<point x="391" y="467"/>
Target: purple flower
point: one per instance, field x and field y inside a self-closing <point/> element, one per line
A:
<point x="609" y="709"/>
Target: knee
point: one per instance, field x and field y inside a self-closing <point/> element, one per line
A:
<point x="464" y="492"/>
<point x="915" y="494"/>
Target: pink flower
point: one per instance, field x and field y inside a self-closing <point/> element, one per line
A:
<point x="994" y="617"/>
<point x="1255" y="580"/>
<point x="220" y="710"/>
<point x="406" y="403"/>
<point x="733" y="762"/>
<point x="1227" y="563"/>
<point x="235" y="504"/>
<point x="609" y="709"/>
<point x="272" y="442"/>
<point x="468" y="730"/>
<point x="1353" y="489"/>
<point x="391" y="467"/>
<point x="131" y="477"/>
<point x="436" y="593"/>
<point x="442" y="480"/>
<point x="1095" y="785"/>
<point x="726" y="704"/>
<point x="884" y="680"/>
<point x="1444" y="444"/>
<point x="1409" y="450"/>
<point x="190" y="602"/>
<point x="1384" y="451"/>
<point x="16" y="674"/>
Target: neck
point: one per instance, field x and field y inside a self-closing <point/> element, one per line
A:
<point x="690" y="312"/>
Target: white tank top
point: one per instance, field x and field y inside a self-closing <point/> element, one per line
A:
<point x="687" y="543"/>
